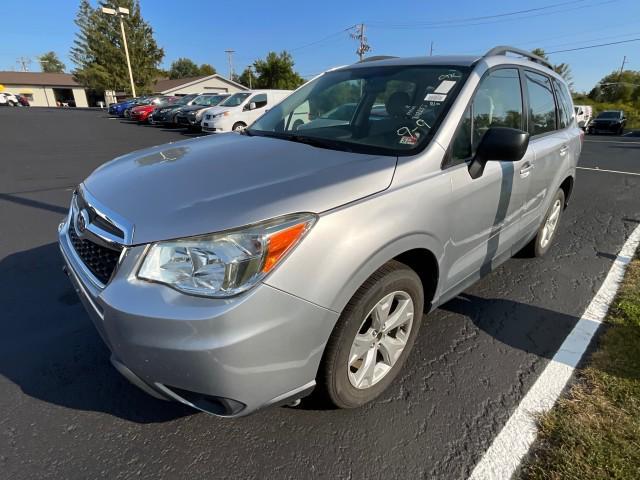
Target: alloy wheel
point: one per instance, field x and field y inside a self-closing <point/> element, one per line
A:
<point x="551" y="224"/>
<point x="381" y="339"/>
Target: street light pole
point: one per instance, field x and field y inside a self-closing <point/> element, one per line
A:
<point x="120" y="13"/>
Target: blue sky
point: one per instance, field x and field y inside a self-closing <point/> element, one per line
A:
<point x="202" y="30"/>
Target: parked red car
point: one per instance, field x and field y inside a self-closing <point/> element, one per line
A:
<point x="141" y="113"/>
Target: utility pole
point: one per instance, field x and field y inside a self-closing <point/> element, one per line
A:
<point x="121" y="13"/>
<point x="360" y="36"/>
<point x="230" y="60"/>
<point x="624" y="60"/>
<point x="24" y="63"/>
<point x="250" y="75"/>
<point x="431" y="49"/>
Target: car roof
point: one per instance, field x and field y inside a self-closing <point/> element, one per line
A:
<point x="448" y="60"/>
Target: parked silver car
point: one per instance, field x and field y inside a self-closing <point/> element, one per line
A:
<point x="238" y="271"/>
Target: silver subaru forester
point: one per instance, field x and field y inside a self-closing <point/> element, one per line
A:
<point x="238" y="271"/>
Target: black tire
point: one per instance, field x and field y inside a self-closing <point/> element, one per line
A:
<point x="239" y="126"/>
<point x="535" y="248"/>
<point x="333" y="385"/>
<point x="621" y="131"/>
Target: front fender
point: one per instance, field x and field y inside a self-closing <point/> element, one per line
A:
<point x="346" y="246"/>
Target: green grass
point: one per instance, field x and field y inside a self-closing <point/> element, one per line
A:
<point x="594" y="432"/>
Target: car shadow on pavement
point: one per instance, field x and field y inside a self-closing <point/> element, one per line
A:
<point x="526" y="327"/>
<point x="50" y="349"/>
<point x="33" y="203"/>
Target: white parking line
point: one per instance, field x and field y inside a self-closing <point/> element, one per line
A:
<point x="611" y="141"/>
<point x="508" y="449"/>
<point x="607" y="171"/>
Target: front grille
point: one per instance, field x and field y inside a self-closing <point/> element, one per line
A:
<point x="97" y="219"/>
<point x="101" y="261"/>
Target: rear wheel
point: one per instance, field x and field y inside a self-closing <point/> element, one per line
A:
<point x="239" y="126"/>
<point x="547" y="231"/>
<point x="372" y="338"/>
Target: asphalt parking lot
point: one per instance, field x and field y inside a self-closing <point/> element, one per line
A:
<point x="66" y="413"/>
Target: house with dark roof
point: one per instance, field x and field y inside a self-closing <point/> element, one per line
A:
<point x="201" y="84"/>
<point x="45" y="89"/>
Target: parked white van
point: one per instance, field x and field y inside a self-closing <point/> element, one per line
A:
<point x="240" y="110"/>
<point x="584" y="114"/>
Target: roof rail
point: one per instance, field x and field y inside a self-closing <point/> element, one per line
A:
<point x="503" y="50"/>
<point x="377" y="57"/>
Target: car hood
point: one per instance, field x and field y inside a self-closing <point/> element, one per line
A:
<point x="218" y="109"/>
<point x="193" y="108"/>
<point x="215" y="183"/>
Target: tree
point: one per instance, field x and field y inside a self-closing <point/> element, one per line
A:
<point x="206" y="69"/>
<point x="246" y="78"/>
<point x="183" y="68"/>
<point x="617" y="87"/>
<point x="50" y="63"/>
<point x="276" y="71"/>
<point x="98" y="51"/>
<point x="562" y="69"/>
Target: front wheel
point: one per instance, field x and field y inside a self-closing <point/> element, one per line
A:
<point x="373" y="337"/>
<point x="238" y="127"/>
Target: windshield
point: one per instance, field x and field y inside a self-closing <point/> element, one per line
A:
<point x="186" y="99"/>
<point x="235" y="100"/>
<point x="389" y="110"/>
<point x="208" y="100"/>
<point x="612" y="114"/>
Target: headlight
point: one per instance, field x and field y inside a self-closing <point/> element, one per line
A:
<point x="221" y="114"/>
<point x="224" y="264"/>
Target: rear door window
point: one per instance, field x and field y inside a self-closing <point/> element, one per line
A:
<point x="542" y="105"/>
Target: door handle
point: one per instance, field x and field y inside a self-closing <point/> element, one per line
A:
<point x="563" y="150"/>
<point x="526" y="169"/>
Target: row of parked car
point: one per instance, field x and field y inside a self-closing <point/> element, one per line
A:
<point x="13" y="100"/>
<point x="207" y="112"/>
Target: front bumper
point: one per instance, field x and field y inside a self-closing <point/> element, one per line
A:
<point x="227" y="357"/>
<point x="215" y="124"/>
<point x="187" y="121"/>
<point x="604" y="127"/>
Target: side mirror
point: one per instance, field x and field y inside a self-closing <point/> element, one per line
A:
<point x="499" y="144"/>
<point x="252" y="106"/>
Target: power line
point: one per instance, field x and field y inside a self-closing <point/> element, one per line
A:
<point x="462" y="23"/>
<point x="544" y="47"/>
<point x="594" y="46"/>
<point x="335" y="34"/>
<point x="473" y="19"/>
<point x="574" y="34"/>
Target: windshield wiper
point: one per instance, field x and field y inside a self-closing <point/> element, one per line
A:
<point x="313" y="141"/>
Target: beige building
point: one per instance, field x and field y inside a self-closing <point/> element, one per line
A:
<point x="45" y="89"/>
<point x="203" y="84"/>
